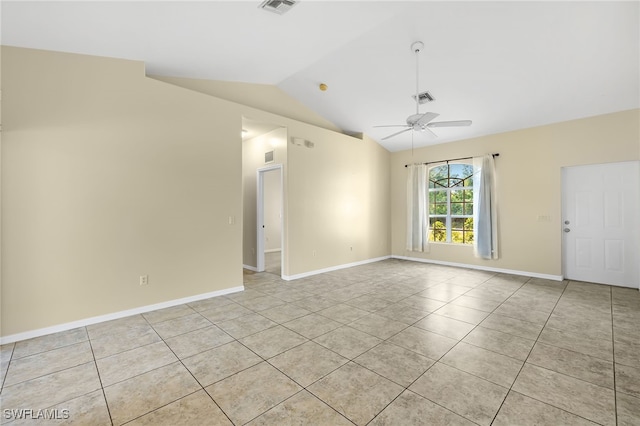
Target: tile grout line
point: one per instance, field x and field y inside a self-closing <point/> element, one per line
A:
<point x="190" y="373"/>
<point x="460" y="340"/>
<point x="352" y="360"/>
<point x="530" y="350"/>
<point x="95" y="364"/>
<point x="6" y="373"/>
<point x="406" y="388"/>
<point x="543" y="402"/>
<point x="140" y="374"/>
<point x="303" y="388"/>
<point x="613" y="355"/>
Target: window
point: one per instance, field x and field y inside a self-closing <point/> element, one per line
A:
<point x="451" y="203"/>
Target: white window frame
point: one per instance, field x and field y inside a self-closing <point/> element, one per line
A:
<point x="448" y="219"/>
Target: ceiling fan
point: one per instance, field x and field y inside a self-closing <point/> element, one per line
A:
<point x="423" y="122"/>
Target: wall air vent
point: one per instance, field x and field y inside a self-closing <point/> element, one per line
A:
<point x="278" y="6"/>
<point x="268" y="157"/>
<point x="424" y="97"/>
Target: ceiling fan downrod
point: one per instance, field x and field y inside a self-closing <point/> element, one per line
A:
<point x="416" y="47"/>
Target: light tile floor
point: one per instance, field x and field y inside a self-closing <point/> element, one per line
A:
<point x="388" y="343"/>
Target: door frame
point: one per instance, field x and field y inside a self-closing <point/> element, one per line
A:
<point x="564" y="170"/>
<point x="260" y="216"/>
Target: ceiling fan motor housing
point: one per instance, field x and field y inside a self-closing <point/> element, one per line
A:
<point x="412" y="121"/>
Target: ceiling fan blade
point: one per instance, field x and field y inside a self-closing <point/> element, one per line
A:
<point x="426" y="118"/>
<point x="429" y="132"/>
<point x="458" y="123"/>
<point x="393" y="125"/>
<point x="396" y="134"/>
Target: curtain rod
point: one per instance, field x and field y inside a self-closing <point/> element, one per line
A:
<point x="453" y="159"/>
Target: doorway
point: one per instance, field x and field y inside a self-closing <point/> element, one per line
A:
<point x="270" y="242"/>
<point x="600" y="205"/>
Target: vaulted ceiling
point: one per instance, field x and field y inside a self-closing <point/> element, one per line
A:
<point x="503" y="65"/>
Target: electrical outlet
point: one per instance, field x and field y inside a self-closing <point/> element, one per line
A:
<point x="144" y="279"/>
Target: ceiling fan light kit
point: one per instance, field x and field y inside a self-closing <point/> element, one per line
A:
<point x="422" y="122"/>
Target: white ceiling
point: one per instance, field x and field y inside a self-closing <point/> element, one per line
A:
<point x="504" y="65"/>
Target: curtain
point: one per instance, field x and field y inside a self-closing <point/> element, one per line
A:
<point x="416" y="208"/>
<point x="485" y="223"/>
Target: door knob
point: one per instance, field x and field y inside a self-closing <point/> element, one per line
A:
<point x="567" y="230"/>
<point x="566" y="222"/>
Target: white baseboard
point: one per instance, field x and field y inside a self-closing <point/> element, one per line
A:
<point x="116" y="315"/>
<point x="483" y="268"/>
<point x="251" y="268"/>
<point x="333" y="268"/>
<point x="273" y="250"/>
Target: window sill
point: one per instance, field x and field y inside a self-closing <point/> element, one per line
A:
<point x="440" y="243"/>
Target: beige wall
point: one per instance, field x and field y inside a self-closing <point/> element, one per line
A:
<point x="253" y="151"/>
<point x="336" y="198"/>
<point x="261" y="96"/>
<point x="529" y="185"/>
<point x="108" y="175"/>
<point x="338" y="201"/>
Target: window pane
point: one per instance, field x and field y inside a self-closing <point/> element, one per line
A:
<point x="468" y="237"/>
<point x="456" y="170"/>
<point x="468" y="209"/>
<point x="440" y="209"/>
<point x="457" y="196"/>
<point x="462" y="230"/>
<point x="437" y="229"/>
<point x="438" y="172"/>
<point x="457" y="208"/>
<point x="468" y="223"/>
<point x="438" y="177"/>
<point x="458" y="222"/>
<point x="455" y="182"/>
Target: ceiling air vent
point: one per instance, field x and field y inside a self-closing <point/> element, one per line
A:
<point x="424" y="97"/>
<point x="278" y="6"/>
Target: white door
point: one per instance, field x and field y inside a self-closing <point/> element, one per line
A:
<point x="600" y="223"/>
